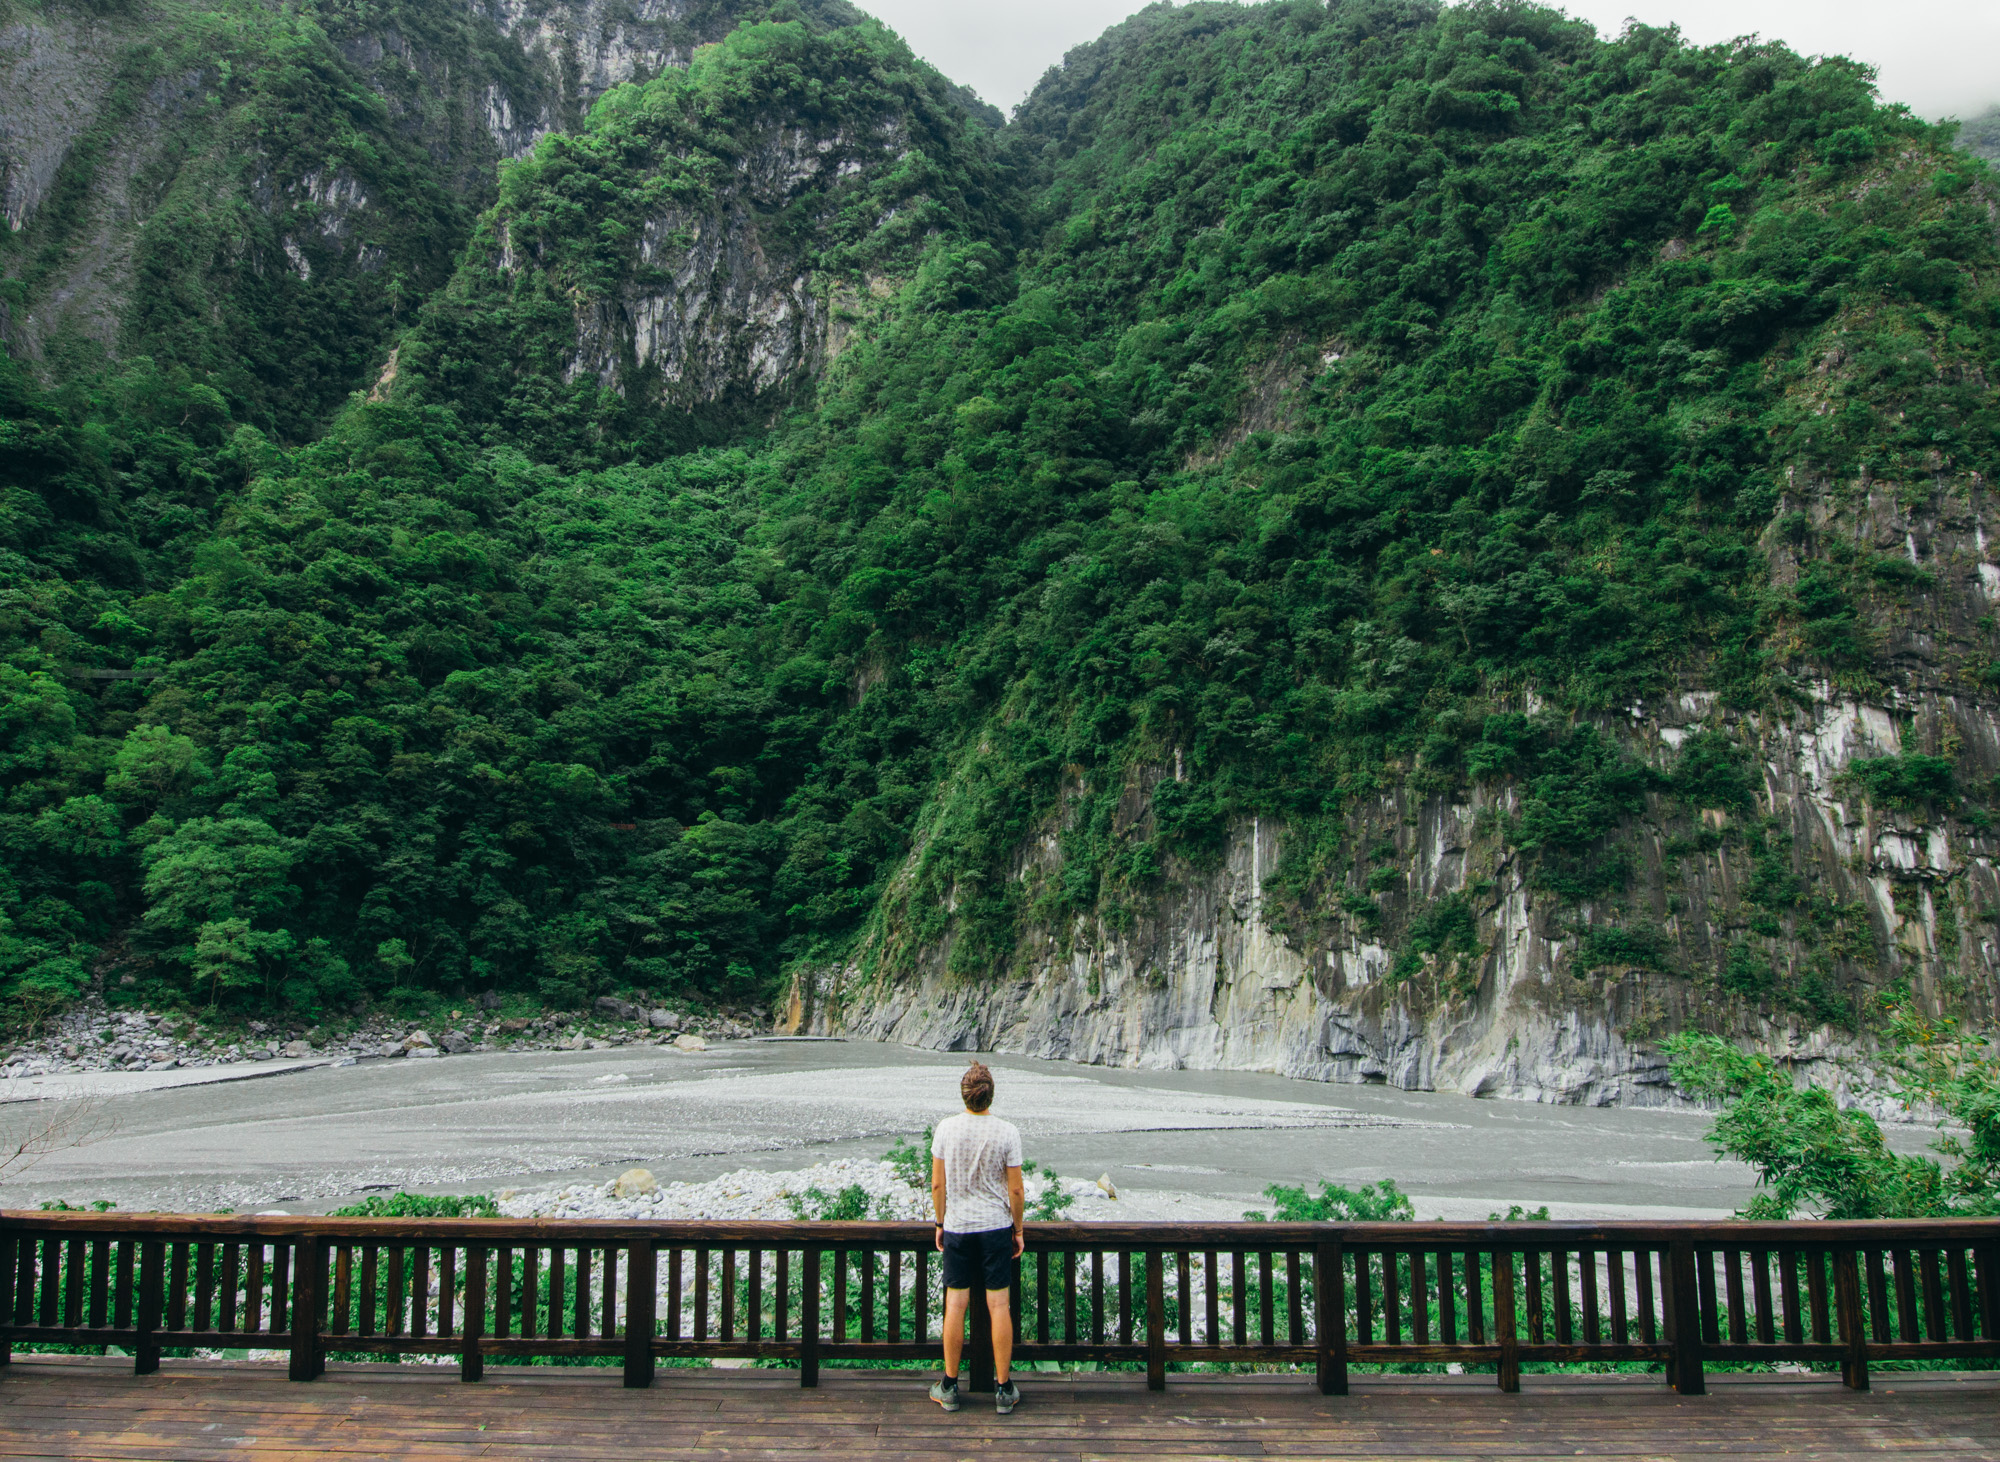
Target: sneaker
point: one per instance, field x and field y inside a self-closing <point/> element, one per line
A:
<point x="1006" y="1397"/>
<point x="945" y="1393"/>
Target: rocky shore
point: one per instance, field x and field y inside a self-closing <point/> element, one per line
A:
<point x="92" y="1037"/>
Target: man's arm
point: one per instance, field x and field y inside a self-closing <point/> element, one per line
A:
<point x="937" y="1200"/>
<point x="1017" y="1198"/>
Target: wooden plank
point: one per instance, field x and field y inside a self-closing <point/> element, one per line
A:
<point x="1649" y="1329"/>
<point x="1853" y="1332"/>
<point x="1329" y="1317"/>
<point x="1958" y="1281"/>
<point x="1816" y="1296"/>
<point x="1392" y="1307"/>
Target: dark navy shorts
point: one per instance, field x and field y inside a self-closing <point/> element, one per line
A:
<point x="983" y="1260"/>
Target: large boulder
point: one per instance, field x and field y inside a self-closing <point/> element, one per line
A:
<point x="612" y="1008"/>
<point x="416" y="1051"/>
<point x="635" y="1183"/>
<point x="417" y="1040"/>
<point x="664" y="1020"/>
<point x="690" y="1043"/>
<point x="295" y="1050"/>
<point x="457" y="1042"/>
<point x="389" y="1048"/>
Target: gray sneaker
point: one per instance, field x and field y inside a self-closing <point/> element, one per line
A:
<point x="945" y="1393"/>
<point x="1006" y="1397"/>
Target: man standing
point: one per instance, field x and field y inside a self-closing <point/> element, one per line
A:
<point x="976" y="1190"/>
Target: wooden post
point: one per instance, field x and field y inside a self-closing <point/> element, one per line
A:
<point x="1847" y="1304"/>
<point x="1329" y="1315"/>
<point x="472" y="1326"/>
<point x="1156" y="1322"/>
<point x="1504" y="1330"/>
<point x="308" y="1305"/>
<point x="152" y="1265"/>
<point x="1687" y="1373"/>
<point x="10" y="1258"/>
<point x="809" y="1317"/>
<point x="978" y="1370"/>
<point x="640" y="1279"/>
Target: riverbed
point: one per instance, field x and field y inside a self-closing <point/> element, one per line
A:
<point x="1198" y="1144"/>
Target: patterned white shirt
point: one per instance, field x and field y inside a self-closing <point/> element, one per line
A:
<point x="976" y="1151"/>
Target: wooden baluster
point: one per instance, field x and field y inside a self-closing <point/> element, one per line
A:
<point x="1760" y="1287"/>
<point x="1710" y="1316"/>
<point x="1649" y="1330"/>
<point x="1211" y="1279"/>
<point x="1504" y="1333"/>
<point x="471" y="1358"/>
<point x="1592" y="1334"/>
<point x="1295" y="1299"/>
<point x="809" y="1260"/>
<point x="1069" y="1296"/>
<point x="1986" y="1283"/>
<point x="1267" y="1299"/>
<point x="1124" y="1297"/>
<point x="204" y="1286"/>
<point x="1906" y="1297"/>
<point x="1847" y="1301"/>
<point x="753" y="1303"/>
<point x="1330" y="1317"/>
<point x="1041" y="1299"/>
<point x="701" y="1294"/>
<point x="1239" y="1295"/>
<point x="1878" y="1298"/>
<point x="1559" y="1278"/>
<point x="253" y="1286"/>
<point x="1927" y="1274"/>
<point x="531" y="1294"/>
<point x="177" y="1282"/>
<point x="1959" y="1282"/>
<point x="226" y="1280"/>
<point x="1097" y="1297"/>
<point x="73" y="1285"/>
<point x="557" y="1292"/>
<point x="343" y="1293"/>
<point x="1788" y="1296"/>
<point x="641" y="1287"/>
<point x="21" y="1280"/>
<point x="1475" y="1310"/>
<point x="1156" y="1321"/>
<point x="281" y="1288"/>
<point x="1447" y="1300"/>
<point x="1364" y="1298"/>
<point x="500" y="1281"/>
<point x="1732" y="1279"/>
<point x="675" y="1280"/>
<point x="781" y="1295"/>
<point x="1184" y="1267"/>
<point x="579" y="1320"/>
<point x="893" y="1311"/>
<point x="726" y="1321"/>
<point x="371" y="1273"/>
<point x="607" y="1312"/>
<point x="447" y="1290"/>
<point x="100" y="1282"/>
<point x="1392" y="1300"/>
<point x="840" y="1294"/>
<point x="420" y="1291"/>
<point x="126" y="1289"/>
<point x="1614" y="1279"/>
<point x="1420" y="1303"/>
<point x="394" y="1295"/>
<point x="1531" y="1264"/>
<point x="922" y="1287"/>
<point x="1822" y="1333"/>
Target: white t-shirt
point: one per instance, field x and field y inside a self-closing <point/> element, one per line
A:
<point x="976" y="1151"/>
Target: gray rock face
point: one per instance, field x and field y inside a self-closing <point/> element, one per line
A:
<point x="613" y="1008"/>
<point x="457" y="1042"/>
<point x="1205" y="977"/>
<point x="295" y="1050"/>
<point x="664" y="1020"/>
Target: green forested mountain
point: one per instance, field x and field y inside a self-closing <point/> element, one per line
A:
<point x="742" y="537"/>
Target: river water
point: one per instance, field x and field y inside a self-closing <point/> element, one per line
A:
<point x="1196" y="1144"/>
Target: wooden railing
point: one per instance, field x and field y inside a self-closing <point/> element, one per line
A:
<point x="1324" y="1296"/>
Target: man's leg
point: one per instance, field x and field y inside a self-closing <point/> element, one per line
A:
<point x="1003" y="1335"/>
<point x="955" y="1302"/>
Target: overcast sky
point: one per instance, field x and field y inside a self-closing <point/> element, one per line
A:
<point x="1938" y="57"/>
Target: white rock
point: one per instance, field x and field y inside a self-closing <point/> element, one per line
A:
<point x="634" y="1183"/>
<point x="1106" y="1186"/>
<point x="691" y="1043"/>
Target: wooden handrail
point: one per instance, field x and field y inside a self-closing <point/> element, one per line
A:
<point x="1150" y="1295"/>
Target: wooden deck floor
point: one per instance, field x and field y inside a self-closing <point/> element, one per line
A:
<point x="189" y="1412"/>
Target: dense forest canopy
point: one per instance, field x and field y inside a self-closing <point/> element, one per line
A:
<point x="1292" y="395"/>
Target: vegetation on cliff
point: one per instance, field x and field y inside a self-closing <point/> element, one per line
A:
<point x="1261" y="418"/>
